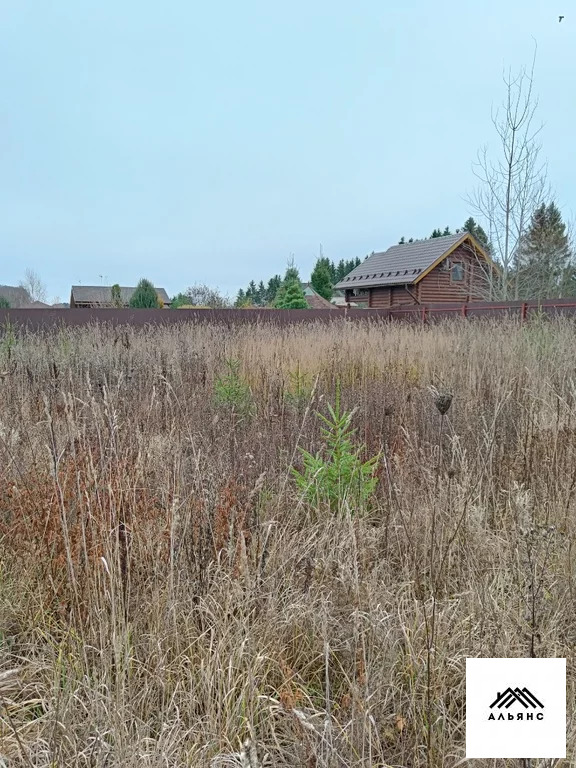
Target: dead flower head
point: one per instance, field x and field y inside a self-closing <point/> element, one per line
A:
<point x="443" y="402"/>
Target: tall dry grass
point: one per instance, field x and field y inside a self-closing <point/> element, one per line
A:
<point x="167" y="598"/>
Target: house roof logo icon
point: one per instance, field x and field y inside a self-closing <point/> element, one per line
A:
<point x="523" y="697"/>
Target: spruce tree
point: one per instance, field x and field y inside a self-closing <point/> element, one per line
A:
<point x="353" y="263"/>
<point x="332" y="268"/>
<point x="293" y="297"/>
<point x="261" y="294"/>
<point x="476" y="230"/>
<point x="290" y="294"/>
<point x="252" y="292"/>
<point x="321" y="279"/>
<point x="544" y="262"/>
<point x="329" y="265"/>
<point x="272" y="288"/>
<point x="440" y="233"/>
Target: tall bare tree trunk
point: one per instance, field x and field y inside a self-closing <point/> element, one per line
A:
<point x="512" y="178"/>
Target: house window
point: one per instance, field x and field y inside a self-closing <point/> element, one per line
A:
<point x="457" y="272"/>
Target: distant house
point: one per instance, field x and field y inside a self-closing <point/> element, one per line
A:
<point x="443" y="269"/>
<point x="314" y="300"/>
<point x="16" y="296"/>
<point x="339" y="300"/>
<point x="100" y="296"/>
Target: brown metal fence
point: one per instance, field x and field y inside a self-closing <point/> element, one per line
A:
<point x="522" y="310"/>
<point x="37" y="319"/>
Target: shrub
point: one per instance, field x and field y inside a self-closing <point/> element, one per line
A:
<point x="181" y="301"/>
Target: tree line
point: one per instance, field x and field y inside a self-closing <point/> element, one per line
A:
<point x="279" y="291"/>
<point x="286" y="292"/>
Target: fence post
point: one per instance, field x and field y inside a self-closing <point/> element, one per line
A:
<point x="524" y="310"/>
<point x="464" y="310"/>
<point x="424" y="314"/>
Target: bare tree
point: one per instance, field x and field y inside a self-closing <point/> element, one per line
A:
<point x="200" y="294"/>
<point x="513" y="180"/>
<point x="34" y="285"/>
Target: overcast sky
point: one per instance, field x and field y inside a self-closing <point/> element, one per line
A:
<point x="205" y="142"/>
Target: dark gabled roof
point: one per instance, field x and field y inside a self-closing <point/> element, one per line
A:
<point x="101" y="295"/>
<point x="404" y="264"/>
<point x="16" y="295"/>
<point x="314" y="300"/>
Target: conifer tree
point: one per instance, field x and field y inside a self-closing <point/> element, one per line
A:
<point x="241" y="300"/>
<point x="252" y="292"/>
<point x="145" y="296"/>
<point x="261" y="294"/>
<point x="272" y="288"/>
<point x="290" y="294"/>
<point x="476" y="230"/>
<point x="321" y="279"/>
<point x="544" y="266"/>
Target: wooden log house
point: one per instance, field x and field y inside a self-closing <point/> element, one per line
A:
<point x="455" y="268"/>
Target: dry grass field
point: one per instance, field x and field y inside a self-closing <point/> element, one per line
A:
<point x="172" y="594"/>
